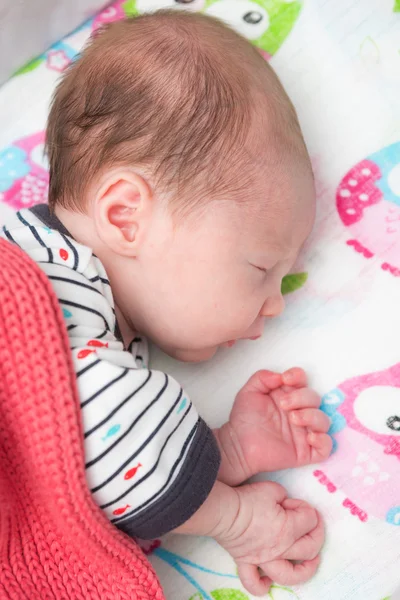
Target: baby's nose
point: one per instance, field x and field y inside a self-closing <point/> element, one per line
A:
<point x="273" y="306"/>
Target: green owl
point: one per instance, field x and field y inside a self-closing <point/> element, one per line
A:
<point x="266" y="23"/>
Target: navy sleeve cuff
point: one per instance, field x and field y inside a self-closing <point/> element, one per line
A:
<point x="188" y="492"/>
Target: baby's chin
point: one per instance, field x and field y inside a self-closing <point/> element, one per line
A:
<point x="194" y="356"/>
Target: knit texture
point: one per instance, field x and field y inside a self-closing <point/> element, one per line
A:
<point x="55" y="543"/>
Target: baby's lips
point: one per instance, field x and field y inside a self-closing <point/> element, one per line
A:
<point x="229" y="344"/>
<point x="233" y="342"/>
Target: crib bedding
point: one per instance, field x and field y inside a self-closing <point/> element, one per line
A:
<point x="340" y="63"/>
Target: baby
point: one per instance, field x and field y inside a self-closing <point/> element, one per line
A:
<point x="180" y="195"/>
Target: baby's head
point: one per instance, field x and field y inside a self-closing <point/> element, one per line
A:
<point x="177" y="156"/>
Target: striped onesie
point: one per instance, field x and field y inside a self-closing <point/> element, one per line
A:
<point x="150" y="460"/>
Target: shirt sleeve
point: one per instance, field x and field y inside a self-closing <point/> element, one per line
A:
<point x="150" y="460"/>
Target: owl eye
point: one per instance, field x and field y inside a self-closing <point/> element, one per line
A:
<point x="253" y="17"/>
<point x="38" y="156"/>
<point x="378" y="409"/>
<point x="247" y="17"/>
<point x="393" y="423"/>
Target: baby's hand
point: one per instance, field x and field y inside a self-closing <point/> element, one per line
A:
<point x="269" y="532"/>
<point x="275" y="424"/>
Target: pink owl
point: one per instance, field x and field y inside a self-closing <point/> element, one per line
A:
<point x="115" y="12"/>
<point x="23" y="172"/>
<point x="365" y="463"/>
<point x="368" y="202"/>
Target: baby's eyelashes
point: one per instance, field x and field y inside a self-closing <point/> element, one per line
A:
<point x="262" y="269"/>
<point x="266" y="265"/>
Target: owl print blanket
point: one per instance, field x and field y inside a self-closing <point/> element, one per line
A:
<point x="340" y="63"/>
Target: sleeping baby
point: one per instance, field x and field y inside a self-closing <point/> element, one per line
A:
<point x="180" y="195"/>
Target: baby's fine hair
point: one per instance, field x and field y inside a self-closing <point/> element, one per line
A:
<point x="176" y="94"/>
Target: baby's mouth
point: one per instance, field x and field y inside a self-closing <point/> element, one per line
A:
<point x="228" y="344"/>
<point x="233" y="342"/>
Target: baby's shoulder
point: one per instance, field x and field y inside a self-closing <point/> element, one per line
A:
<point x="45" y="243"/>
<point x="56" y="252"/>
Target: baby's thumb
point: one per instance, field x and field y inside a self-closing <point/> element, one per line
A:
<point x="263" y="381"/>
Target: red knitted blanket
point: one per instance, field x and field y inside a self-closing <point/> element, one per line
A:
<point x="55" y="543"/>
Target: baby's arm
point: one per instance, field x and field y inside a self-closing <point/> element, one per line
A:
<point x="150" y="459"/>
<point x="149" y="484"/>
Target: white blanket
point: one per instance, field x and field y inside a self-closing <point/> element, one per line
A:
<point x="340" y="62"/>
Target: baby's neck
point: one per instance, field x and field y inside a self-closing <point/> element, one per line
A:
<point x="80" y="226"/>
<point x="127" y="333"/>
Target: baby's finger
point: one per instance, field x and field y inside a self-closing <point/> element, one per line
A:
<point x="263" y="381"/>
<point x="295" y="377"/>
<point x="309" y="546"/>
<point x="302" y="518"/>
<point x="301" y="398"/>
<point x="285" y="572"/>
<point x="313" y="418"/>
<point x="321" y="445"/>
<point x="253" y="581"/>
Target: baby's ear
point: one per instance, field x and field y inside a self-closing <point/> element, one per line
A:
<point x="123" y="201"/>
<point x="122" y="211"/>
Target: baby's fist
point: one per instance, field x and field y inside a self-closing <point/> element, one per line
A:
<point x="269" y="532"/>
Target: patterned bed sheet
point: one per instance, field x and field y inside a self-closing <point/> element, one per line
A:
<point x="340" y="62"/>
